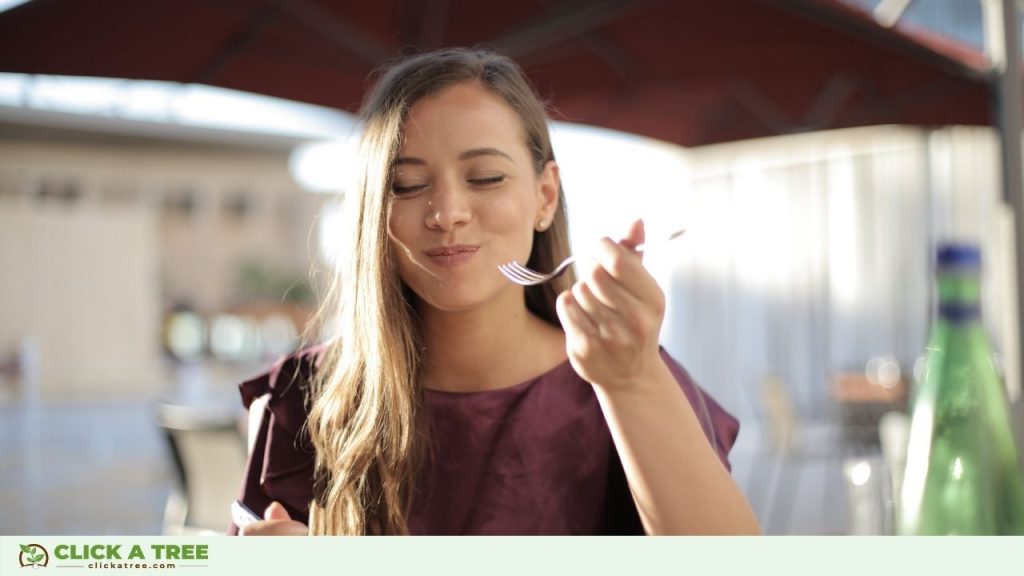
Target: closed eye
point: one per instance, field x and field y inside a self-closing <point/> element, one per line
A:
<point x="401" y="190"/>
<point x="491" y="181"/>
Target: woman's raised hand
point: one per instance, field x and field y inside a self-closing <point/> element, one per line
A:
<point x="612" y="316"/>
<point x="276" y="522"/>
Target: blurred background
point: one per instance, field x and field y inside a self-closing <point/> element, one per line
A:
<point x="171" y="172"/>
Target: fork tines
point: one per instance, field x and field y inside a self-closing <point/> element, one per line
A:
<point x="521" y="275"/>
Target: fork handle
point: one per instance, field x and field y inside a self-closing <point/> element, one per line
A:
<point x="640" y="247"/>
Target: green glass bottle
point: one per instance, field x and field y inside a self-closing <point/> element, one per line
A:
<point x="962" y="474"/>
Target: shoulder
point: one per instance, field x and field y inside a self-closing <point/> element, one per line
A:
<point x="281" y="459"/>
<point x="286" y="376"/>
<point x="286" y="384"/>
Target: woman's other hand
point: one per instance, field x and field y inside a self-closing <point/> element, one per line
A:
<point x="276" y="522"/>
<point x="612" y="317"/>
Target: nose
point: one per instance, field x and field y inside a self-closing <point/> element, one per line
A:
<point x="449" y="207"/>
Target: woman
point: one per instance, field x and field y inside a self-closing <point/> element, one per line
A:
<point x="456" y="402"/>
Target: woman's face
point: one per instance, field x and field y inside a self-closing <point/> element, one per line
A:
<point x="465" y="197"/>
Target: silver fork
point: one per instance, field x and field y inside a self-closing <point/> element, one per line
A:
<point x="520" y="274"/>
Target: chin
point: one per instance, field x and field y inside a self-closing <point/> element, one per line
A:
<point x="451" y="302"/>
<point x="455" y="297"/>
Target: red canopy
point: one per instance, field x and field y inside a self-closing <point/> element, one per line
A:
<point x="690" y="72"/>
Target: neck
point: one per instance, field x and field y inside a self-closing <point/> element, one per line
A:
<point x="487" y="348"/>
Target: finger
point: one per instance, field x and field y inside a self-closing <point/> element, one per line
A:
<point x="596" y="311"/>
<point x="610" y="292"/>
<point x="635" y="236"/>
<point x="572" y="316"/>
<point x="275" y="528"/>
<point x="276" y="512"/>
<point x="626" y="268"/>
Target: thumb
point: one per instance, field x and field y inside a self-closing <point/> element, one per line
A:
<point x="635" y="236"/>
<point x="276" y="512"/>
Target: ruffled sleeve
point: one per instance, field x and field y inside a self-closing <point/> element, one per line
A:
<point x="280" y="465"/>
<point x="720" y="427"/>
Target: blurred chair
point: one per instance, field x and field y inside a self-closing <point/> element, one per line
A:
<point x="863" y="398"/>
<point x="792" y="443"/>
<point x="209" y="453"/>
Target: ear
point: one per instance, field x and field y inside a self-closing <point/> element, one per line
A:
<point x="548" y="186"/>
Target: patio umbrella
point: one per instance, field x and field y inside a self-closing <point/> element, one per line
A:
<point x="691" y="72"/>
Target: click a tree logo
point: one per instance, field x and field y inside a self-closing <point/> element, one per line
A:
<point x="33" y="555"/>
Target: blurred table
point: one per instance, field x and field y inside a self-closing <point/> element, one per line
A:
<point x="861" y="405"/>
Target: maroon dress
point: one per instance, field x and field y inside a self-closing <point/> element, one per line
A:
<point x="534" y="458"/>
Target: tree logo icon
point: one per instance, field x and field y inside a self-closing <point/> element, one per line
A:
<point x="33" y="555"/>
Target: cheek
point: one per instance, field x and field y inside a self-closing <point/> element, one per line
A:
<point x="512" y="220"/>
<point x="400" y="235"/>
<point x="511" y="212"/>
<point x="401" y="228"/>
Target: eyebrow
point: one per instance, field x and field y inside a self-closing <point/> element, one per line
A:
<point x="467" y="155"/>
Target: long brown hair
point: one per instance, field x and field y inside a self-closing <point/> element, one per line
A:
<point x="366" y="422"/>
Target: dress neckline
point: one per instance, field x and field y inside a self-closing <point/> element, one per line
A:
<point x="499" y="391"/>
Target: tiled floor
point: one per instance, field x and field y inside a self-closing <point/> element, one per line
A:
<point x="82" y="469"/>
<point x="803" y="492"/>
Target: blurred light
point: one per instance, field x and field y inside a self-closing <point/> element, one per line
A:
<point x="327" y="166"/>
<point x="763" y="228"/>
<point x="6" y="5"/>
<point x="74" y="94"/>
<point x="957" y="469"/>
<point x="11" y="88"/>
<point x="331" y="232"/>
<point x="889" y="372"/>
<point x="278" y="334"/>
<point x="843" y="237"/>
<point x="185" y="335"/>
<point x="871" y="369"/>
<point x="920" y="365"/>
<point x="233" y="338"/>
<point x="883" y="371"/>
<point x="860" y="473"/>
<point x="174" y="103"/>
<point x="146" y="101"/>
<point x="223" y="108"/>
<point x="919" y="448"/>
<point x="637" y="178"/>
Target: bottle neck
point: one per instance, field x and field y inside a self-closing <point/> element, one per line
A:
<point x="959" y="295"/>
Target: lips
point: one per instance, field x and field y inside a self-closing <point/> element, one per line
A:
<point x="452" y="255"/>
<point x="451" y="250"/>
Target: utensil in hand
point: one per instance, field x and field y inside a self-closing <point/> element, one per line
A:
<point x="524" y="276"/>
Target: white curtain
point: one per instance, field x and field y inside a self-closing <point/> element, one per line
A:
<point x="810" y="254"/>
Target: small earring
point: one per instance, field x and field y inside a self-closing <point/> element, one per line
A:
<point x="542" y="225"/>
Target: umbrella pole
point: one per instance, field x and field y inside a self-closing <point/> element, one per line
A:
<point x="1002" y="43"/>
